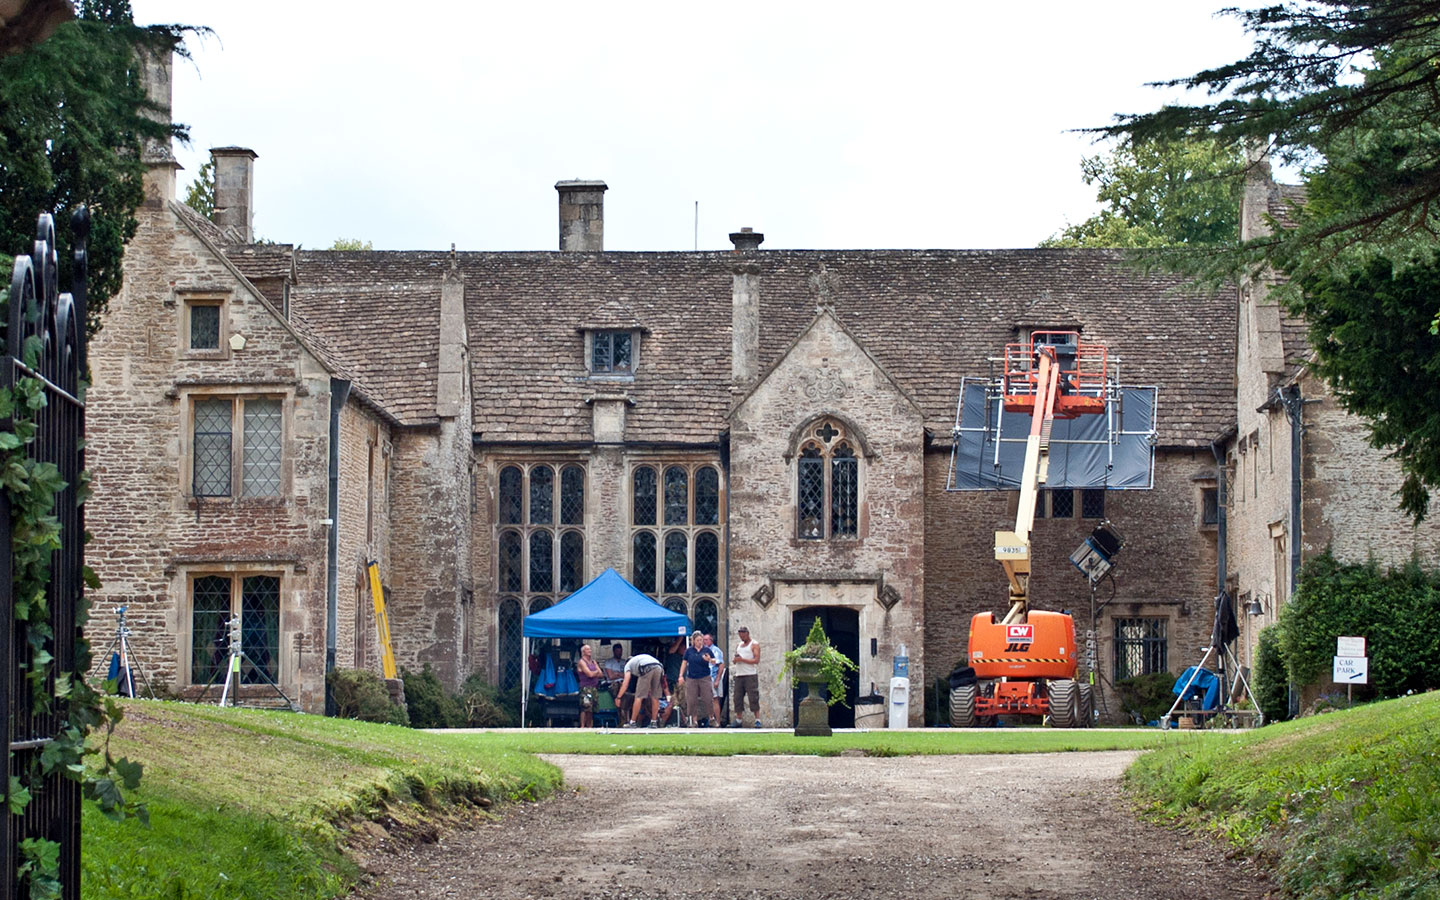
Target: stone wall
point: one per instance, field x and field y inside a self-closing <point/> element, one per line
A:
<point x="881" y="572"/>
<point x="151" y="535"/>
<point x="364" y="523"/>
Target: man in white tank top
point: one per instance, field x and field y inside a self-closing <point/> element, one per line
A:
<point x="745" y="669"/>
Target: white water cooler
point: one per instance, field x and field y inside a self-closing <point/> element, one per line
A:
<point x="900" y="691"/>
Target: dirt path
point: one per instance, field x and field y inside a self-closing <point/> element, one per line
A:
<point x="952" y="827"/>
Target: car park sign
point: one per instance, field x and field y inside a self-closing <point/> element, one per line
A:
<point x="1351" y="670"/>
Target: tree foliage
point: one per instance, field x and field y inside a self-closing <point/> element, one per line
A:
<point x="1160" y="193"/>
<point x="351" y="244"/>
<point x="72" y="122"/>
<point x="1350" y="92"/>
<point x="201" y="194"/>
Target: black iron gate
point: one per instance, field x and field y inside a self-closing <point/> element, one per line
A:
<point x="44" y="340"/>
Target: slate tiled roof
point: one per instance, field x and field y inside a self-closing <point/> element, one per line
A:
<point x="929" y="317"/>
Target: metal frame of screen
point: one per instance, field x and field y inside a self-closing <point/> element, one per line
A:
<point x="1114" y="450"/>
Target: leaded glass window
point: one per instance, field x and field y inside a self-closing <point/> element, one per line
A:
<point x="204" y="326"/>
<point x="677" y="495"/>
<point x="644" y="502"/>
<point x="512" y="495"/>
<point x="542" y="495"/>
<point x="811" y="493"/>
<point x="707" y="496"/>
<point x="261" y="460"/>
<point x="542" y="575"/>
<point x="213" y="440"/>
<point x="844" y="492"/>
<point x="642" y="566"/>
<point x="1092" y="503"/>
<point x="572" y="495"/>
<point x="1141" y="647"/>
<point x="260" y="628"/>
<point x="707" y="617"/>
<point x="677" y="576"/>
<point x="540" y="604"/>
<point x="209" y="627"/>
<point x="572" y="561"/>
<point x="511" y="568"/>
<point x="707" y="563"/>
<point x="512" y="650"/>
<point x="611" y="353"/>
<point x="827" y="483"/>
<point x="675" y="604"/>
<point x="216" y="601"/>
<point x="1062" y="504"/>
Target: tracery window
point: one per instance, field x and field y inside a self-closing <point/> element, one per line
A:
<point x="539" y="548"/>
<point x="827" y="484"/>
<point x="675" y="536"/>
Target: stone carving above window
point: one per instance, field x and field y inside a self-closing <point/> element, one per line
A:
<point x="824" y="383"/>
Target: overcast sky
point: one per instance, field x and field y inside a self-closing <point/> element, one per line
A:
<point x="822" y="125"/>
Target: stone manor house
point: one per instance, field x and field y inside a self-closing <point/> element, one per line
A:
<point x="748" y="436"/>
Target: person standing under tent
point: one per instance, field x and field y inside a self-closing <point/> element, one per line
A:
<point x="746" y="681"/>
<point x="649" y="677"/>
<point x="587" y="676"/>
<point x="695" y="680"/>
<point x="615" y="666"/>
<point x="717" y="679"/>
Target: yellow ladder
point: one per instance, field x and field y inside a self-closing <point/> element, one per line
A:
<point x="382" y="620"/>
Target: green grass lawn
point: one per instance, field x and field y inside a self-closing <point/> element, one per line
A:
<point x="1346" y="804"/>
<point x="255" y="804"/>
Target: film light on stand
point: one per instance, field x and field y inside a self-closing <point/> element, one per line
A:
<point x="1096" y="555"/>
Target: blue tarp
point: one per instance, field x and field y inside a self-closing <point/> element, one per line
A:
<point x="1205" y="689"/>
<point x="607" y="607"/>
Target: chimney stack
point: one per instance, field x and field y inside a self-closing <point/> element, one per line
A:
<point x="582" y="216"/>
<point x="745" y="307"/>
<point x="155" y="153"/>
<point x="235" y="191"/>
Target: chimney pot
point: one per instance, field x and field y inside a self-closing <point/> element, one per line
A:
<point x="746" y="239"/>
<point x="582" y="215"/>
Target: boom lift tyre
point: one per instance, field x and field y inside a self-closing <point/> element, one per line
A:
<point x="962" y="706"/>
<point x="1063" y="703"/>
<point x="1086" y="698"/>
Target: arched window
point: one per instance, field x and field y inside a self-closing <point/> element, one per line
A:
<point x="827" y="484"/>
<point x="677" y="495"/>
<point x="676" y="604"/>
<point x="572" y="496"/>
<point x="542" y="572"/>
<point x="707" y="496"/>
<point x="707" y="618"/>
<point x="707" y="563"/>
<point x="542" y="495"/>
<point x="677" y="537"/>
<point x="512" y="496"/>
<point x="642" y="564"/>
<point x="644" y="502"/>
<point x="572" y="561"/>
<point x="511" y="571"/>
<point x="677" y="556"/>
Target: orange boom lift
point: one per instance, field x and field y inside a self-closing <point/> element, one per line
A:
<point x="1024" y="664"/>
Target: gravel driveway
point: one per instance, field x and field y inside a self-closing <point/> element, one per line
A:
<point x="1032" y="826"/>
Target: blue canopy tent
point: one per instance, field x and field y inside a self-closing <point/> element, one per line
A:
<point x="607" y="607"/>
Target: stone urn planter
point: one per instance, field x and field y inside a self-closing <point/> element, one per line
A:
<point x="813" y="719"/>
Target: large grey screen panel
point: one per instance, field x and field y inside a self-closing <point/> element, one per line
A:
<point x="1113" y="450"/>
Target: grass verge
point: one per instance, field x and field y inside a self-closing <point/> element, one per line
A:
<point x="249" y="804"/>
<point x="1345" y="805"/>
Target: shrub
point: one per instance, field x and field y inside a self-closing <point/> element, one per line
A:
<point x="1272" y="682"/>
<point x="1146" y="698"/>
<point x="1393" y="610"/>
<point x="483" y="704"/>
<point x="430" y="706"/>
<point x="360" y="694"/>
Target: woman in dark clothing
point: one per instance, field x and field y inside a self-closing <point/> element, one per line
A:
<point x="695" y="680"/>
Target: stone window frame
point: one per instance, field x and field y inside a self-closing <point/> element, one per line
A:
<point x="238" y="397"/>
<point x="236" y="573"/>
<point x="611" y="374"/>
<point x="557" y="532"/>
<point x="189" y="301"/>
<point x="811" y="437"/>
<point x="1148" y="638"/>
<point x="689" y="600"/>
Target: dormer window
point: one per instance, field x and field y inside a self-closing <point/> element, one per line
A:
<point x="613" y="352"/>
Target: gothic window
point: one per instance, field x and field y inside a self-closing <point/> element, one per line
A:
<point x="539" y="544"/>
<point x="707" y="617"/>
<point x="218" y="604"/>
<point x="827" y="484"/>
<point x="1140" y="647"/>
<point x="676" y="541"/>
<point x="226" y="457"/>
<point x="675" y="604"/>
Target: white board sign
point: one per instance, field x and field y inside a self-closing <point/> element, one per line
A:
<point x="1350" y="646"/>
<point x="1351" y="670"/>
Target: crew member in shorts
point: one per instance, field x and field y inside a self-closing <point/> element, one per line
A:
<point x="649" y="676"/>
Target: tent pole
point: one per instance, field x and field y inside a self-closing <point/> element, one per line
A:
<point x="525" y="666"/>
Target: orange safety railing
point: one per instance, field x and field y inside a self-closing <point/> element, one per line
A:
<point x="1083" y="372"/>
